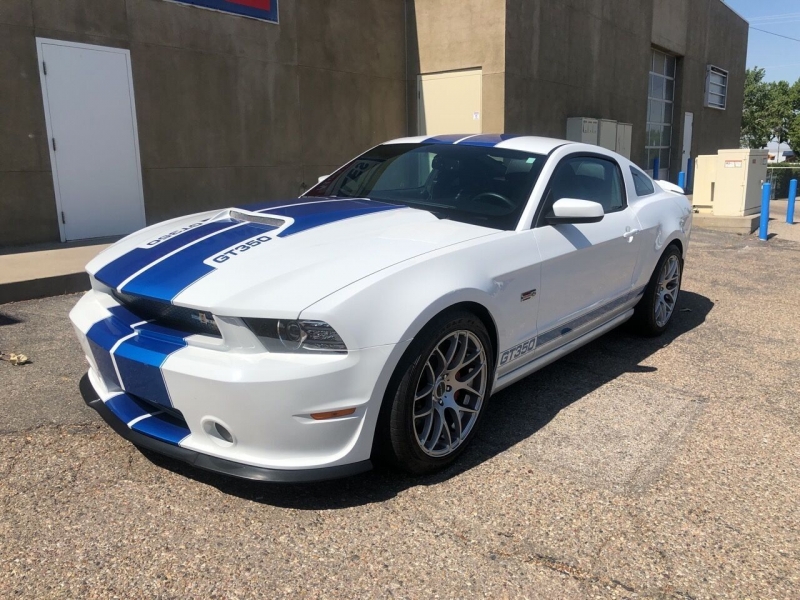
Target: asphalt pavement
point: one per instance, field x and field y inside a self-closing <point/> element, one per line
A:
<point x="633" y="468"/>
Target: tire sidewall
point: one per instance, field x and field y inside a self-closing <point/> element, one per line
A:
<point x="406" y="451"/>
<point x="651" y="293"/>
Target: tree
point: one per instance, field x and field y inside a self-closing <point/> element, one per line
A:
<point x="757" y="123"/>
<point x="782" y="110"/>
<point x="793" y="129"/>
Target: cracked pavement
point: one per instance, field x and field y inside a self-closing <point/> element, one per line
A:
<point x="633" y="468"/>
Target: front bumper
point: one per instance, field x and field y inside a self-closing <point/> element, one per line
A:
<point x="167" y="391"/>
<point x="212" y="463"/>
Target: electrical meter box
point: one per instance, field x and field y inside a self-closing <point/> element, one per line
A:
<point x="729" y="184"/>
<point x="607" y="134"/>
<point x="624" y="133"/>
<point x="582" y="129"/>
<point x="705" y="178"/>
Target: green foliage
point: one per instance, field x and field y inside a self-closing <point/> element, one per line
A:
<point x="756" y="127"/>
<point x="771" y="111"/>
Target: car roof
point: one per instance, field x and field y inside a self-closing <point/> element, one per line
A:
<point x="524" y="143"/>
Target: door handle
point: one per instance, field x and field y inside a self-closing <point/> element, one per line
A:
<point x="630" y="233"/>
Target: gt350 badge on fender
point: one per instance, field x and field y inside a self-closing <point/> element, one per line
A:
<point x="518" y="351"/>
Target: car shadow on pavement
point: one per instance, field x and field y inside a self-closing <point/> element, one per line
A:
<point x="513" y="415"/>
<point x="8" y="320"/>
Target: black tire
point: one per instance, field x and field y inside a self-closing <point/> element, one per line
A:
<point x="645" y="319"/>
<point x="396" y="436"/>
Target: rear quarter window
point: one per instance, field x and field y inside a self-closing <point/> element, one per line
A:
<point x="642" y="183"/>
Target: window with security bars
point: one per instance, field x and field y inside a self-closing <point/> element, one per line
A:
<point x="716" y="87"/>
<point x="660" y="98"/>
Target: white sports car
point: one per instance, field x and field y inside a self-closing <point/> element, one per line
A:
<point x="375" y="315"/>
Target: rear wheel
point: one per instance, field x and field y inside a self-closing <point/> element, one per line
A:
<point x="657" y="307"/>
<point x="442" y="387"/>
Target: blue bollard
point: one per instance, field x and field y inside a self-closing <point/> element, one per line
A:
<point x="682" y="180"/>
<point x="689" y="169"/>
<point x="764" y="230"/>
<point x="656" y="169"/>
<point x="792" y="197"/>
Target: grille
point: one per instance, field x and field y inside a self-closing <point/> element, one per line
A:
<point x="168" y="315"/>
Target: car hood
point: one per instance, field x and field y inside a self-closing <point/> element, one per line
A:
<point x="274" y="259"/>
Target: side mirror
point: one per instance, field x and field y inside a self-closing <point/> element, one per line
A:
<point x="571" y="210"/>
<point x="323" y="178"/>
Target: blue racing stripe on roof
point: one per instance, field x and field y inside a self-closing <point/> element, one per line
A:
<point x="120" y="269"/>
<point x="165" y="280"/>
<point x="489" y="140"/>
<point x="446" y="139"/>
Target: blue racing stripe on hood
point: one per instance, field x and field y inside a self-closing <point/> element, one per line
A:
<point x="489" y="140"/>
<point x="310" y="216"/>
<point x="120" y="269"/>
<point x="265" y="206"/>
<point x="165" y="280"/>
<point x="168" y="278"/>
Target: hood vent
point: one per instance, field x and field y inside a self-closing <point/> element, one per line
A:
<point x="238" y="215"/>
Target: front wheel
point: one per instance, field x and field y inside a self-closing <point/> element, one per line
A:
<point x="442" y="388"/>
<point x="654" y="312"/>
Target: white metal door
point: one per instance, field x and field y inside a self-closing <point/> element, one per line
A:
<point x="94" y="148"/>
<point x="688" y="125"/>
<point x="450" y="103"/>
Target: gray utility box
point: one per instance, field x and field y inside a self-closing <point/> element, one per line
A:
<point x="607" y="134"/>
<point x="624" y="134"/>
<point x="583" y="130"/>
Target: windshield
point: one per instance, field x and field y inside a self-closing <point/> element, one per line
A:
<point x="472" y="184"/>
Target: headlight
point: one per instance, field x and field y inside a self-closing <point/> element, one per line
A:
<point x="296" y="336"/>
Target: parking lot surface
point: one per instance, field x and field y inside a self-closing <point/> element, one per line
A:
<point x="633" y="468"/>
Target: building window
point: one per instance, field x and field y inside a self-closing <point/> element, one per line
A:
<point x="716" y="87"/>
<point x="659" y="108"/>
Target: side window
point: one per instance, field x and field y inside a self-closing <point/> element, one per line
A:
<point x="642" y="183"/>
<point x="588" y="178"/>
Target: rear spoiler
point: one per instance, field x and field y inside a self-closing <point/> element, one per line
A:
<point x="671" y="187"/>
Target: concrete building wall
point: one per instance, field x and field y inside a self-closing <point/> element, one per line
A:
<point x="232" y="110"/>
<point x="574" y="59"/>
<point x="450" y="35"/>
<point x="717" y="36"/>
<point x="592" y="59"/>
<point x="229" y="109"/>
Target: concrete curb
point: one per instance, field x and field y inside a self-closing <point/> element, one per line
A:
<point x="17" y="291"/>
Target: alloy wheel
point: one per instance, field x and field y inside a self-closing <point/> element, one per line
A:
<point x="669" y="282"/>
<point x="450" y="393"/>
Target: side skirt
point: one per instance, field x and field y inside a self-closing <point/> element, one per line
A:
<point x="541" y="362"/>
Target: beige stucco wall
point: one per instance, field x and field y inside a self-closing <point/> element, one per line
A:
<point x="448" y="35"/>
<point x="230" y="110"/>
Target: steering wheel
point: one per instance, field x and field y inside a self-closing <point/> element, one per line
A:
<point x="488" y="197"/>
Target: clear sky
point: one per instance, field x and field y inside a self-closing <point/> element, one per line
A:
<point x="779" y="56"/>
